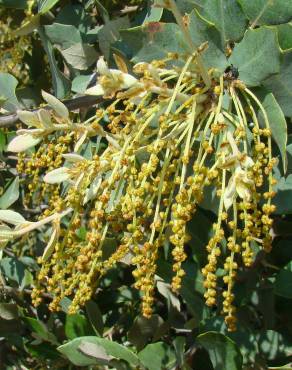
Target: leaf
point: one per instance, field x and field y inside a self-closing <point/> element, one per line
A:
<point x="61" y="84"/>
<point x="283" y="283"/>
<point x="8" y="311"/>
<point x="278" y="125"/>
<point x="8" y="85"/>
<point x="56" y="105"/>
<point x="110" y="33"/>
<point x="80" y="83"/>
<point x="45" y="5"/>
<point x="281" y="85"/>
<point x="63" y="35"/>
<point x="57" y="175"/>
<point x="227" y="17"/>
<point x="283" y="198"/>
<point x="11" y="194"/>
<point x="80" y="56"/>
<point x="94" y="350"/>
<point x="165" y="290"/>
<point x="48" y="251"/>
<point x="157" y="356"/>
<point x="223" y="352"/>
<point x="257" y="56"/>
<point x="143" y="330"/>
<point x="17" y="4"/>
<point x="77" y="326"/>
<point x="29" y="118"/>
<point x="40" y="329"/>
<point x="11" y="217"/>
<point x="267" y="11"/>
<point x="95" y="316"/>
<point x="285" y="35"/>
<point x="13" y="269"/>
<point x="72" y="352"/>
<point x="23" y="142"/>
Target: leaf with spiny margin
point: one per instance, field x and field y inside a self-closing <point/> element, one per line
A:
<point x="227" y="17"/>
<point x="257" y="56"/>
<point x="261" y="12"/>
<point x="281" y="85"/>
<point x="285" y="35"/>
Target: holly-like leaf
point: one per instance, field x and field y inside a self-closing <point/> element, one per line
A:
<point x="228" y="18"/>
<point x="267" y="11"/>
<point x="223" y="352"/>
<point x="281" y="85"/>
<point x="257" y="56"/>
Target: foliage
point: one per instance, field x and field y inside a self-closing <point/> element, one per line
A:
<point x="153" y="164"/>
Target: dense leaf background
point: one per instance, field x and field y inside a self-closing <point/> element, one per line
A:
<point x="65" y="38"/>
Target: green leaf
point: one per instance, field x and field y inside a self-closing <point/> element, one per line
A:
<point x="40" y="329"/>
<point x="95" y="317"/>
<point x="17" y="4"/>
<point x="72" y="352"/>
<point x="281" y="85"/>
<point x="77" y="326"/>
<point x="61" y="84"/>
<point x="283" y="198"/>
<point x="80" y="56"/>
<point x="45" y="5"/>
<point x="143" y="330"/>
<point x="8" y="311"/>
<point x="257" y="56"/>
<point x="11" y="194"/>
<point x="80" y="83"/>
<point x="109" y="33"/>
<point x="63" y="35"/>
<point x="283" y="283"/>
<point x="13" y="269"/>
<point x="8" y="85"/>
<point x="223" y="352"/>
<point x="267" y="11"/>
<point x="157" y="356"/>
<point x="285" y="35"/>
<point x="227" y="17"/>
<point x="278" y="125"/>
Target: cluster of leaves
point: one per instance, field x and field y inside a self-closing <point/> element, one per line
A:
<point x="66" y="39"/>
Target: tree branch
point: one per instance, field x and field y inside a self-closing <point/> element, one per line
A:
<point x="72" y="104"/>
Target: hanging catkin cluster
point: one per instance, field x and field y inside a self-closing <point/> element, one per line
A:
<point x="158" y="141"/>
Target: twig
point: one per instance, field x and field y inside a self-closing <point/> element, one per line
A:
<point x="72" y="104"/>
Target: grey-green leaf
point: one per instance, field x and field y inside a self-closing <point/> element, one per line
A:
<point x="63" y="35"/>
<point x="72" y="351"/>
<point x="11" y="194"/>
<point x="281" y="85"/>
<point x="80" y="56"/>
<point x="8" y="85"/>
<point x="228" y="18"/>
<point x="46" y="5"/>
<point x="257" y="56"/>
<point x="157" y="356"/>
<point x="285" y="35"/>
<point x="223" y="352"/>
<point x="278" y="125"/>
<point x="267" y="11"/>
